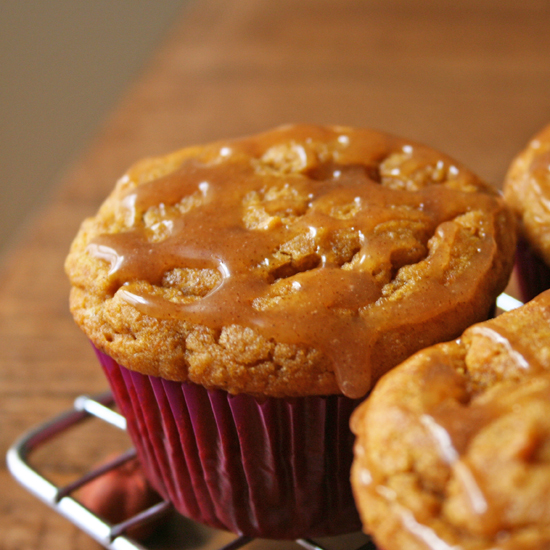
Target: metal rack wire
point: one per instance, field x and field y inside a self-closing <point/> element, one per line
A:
<point x="62" y="500"/>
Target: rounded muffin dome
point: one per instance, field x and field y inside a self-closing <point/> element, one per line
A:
<point x="527" y="190"/>
<point x="453" y="445"/>
<point x="302" y="261"/>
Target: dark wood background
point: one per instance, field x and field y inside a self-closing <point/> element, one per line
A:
<point x="471" y="78"/>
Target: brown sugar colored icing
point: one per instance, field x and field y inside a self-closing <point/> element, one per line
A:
<point x="453" y="447"/>
<point x="359" y="246"/>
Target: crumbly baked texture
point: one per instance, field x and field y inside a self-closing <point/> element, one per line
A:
<point x="453" y="445"/>
<point x="527" y="190"/>
<point x="303" y="261"/>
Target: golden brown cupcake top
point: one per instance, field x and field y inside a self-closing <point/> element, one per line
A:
<point x="305" y="260"/>
<point x="453" y="445"/>
<point x="527" y="190"/>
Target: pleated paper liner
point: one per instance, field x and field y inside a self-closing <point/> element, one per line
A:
<point x="270" y="468"/>
<point x="531" y="272"/>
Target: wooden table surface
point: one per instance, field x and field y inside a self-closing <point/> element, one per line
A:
<point x="471" y="78"/>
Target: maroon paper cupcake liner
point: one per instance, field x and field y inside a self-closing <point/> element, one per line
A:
<point x="270" y="468"/>
<point x="533" y="275"/>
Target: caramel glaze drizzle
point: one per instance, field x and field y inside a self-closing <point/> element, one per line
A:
<point x="454" y="422"/>
<point x="332" y="313"/>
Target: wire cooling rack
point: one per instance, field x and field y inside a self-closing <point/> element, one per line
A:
<point x="63" y="500"/>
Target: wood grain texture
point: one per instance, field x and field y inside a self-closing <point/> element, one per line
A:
<point x="469" y="78"/>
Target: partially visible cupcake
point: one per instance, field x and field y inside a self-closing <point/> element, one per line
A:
<point x="453" y="445"/>
<point x="243" y="296"/>
<point x="527" y="190"/>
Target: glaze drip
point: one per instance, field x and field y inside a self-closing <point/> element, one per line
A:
<point x="309" y="229"/>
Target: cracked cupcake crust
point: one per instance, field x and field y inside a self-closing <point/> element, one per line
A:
<point x="453" y="445"/>
<point x="303" y="261"/>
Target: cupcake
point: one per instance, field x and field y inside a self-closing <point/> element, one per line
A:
<point x="244" y="296"/>
<point x="527" y="191"/>
<point x="453" y="445"/>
